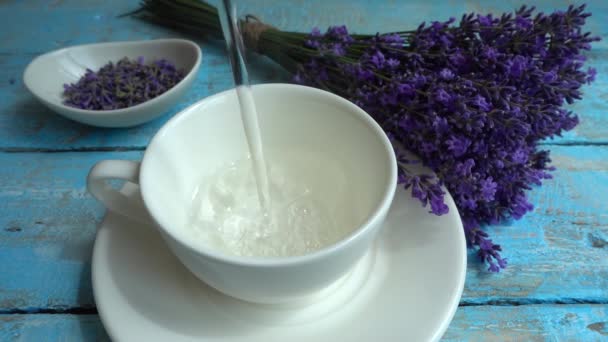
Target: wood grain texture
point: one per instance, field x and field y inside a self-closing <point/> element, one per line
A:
<point x="26" y="124"/>
<point x="472" y="323"/>
<point x="47" y="229"/>
<point x="43" y="328"/>
<point x="529" y="323"/>
<point x="558" y="254"/>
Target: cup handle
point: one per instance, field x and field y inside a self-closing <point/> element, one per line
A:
<point x="113" y="199"/>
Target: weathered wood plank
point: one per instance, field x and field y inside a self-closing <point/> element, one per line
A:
<point x="561" y="248"/>
<point x="47" y="229"/>
<point x="60" y="23"/>
<point x="58" y="327"/>
<point x="78" y="22"/>
<point x="471" y="323"/>
<point x="25" y="123"/>
<point x="559" y="253"/>
<point x="529" y="323"/>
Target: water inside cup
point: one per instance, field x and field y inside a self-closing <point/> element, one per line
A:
<point x="310" y="206"/>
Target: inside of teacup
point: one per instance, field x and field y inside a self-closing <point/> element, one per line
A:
<point x="328" y="169"/>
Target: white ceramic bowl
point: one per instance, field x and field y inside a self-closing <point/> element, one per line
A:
<point x="46" y="75"/>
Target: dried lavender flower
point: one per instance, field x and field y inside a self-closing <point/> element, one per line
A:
<point x="122" y="84"/>
<point x="471" y="101"/>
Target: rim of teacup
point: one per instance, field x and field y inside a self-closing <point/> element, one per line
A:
<point x="377" y="213"/>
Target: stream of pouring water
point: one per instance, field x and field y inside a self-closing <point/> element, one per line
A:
<point x="292" y="217"/>
<point x="249" y="115"/>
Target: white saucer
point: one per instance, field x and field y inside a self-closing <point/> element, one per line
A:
<point x="407" y="288"/>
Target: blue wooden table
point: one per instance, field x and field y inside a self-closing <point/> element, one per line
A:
<point x="556" y="286"/>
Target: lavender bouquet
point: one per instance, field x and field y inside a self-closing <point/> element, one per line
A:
<point x="470" y="99"/>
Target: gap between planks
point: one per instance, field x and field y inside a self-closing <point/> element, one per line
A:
<point x="533" y="301"/>
<point x="93" y="311"/>
<point x="75" y="149"/>
<point x="51" y="311"/>
<point x="143" y="148"/>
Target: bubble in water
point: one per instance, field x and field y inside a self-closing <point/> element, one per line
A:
<point x="227" y="216"/>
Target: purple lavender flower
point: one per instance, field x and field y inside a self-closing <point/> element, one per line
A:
<point x="425" y="188"/>
<point x="392" y="63"/>
<point x="446" y="74"/>
<point x="485" y="20"/>
<point x="457" y="145"/>
<point x="521" y="22"/>
<point x="489" y="53"/>
<point x="442" y="96"/>
<point x="377" y="59"/>
<point x="517" y="66"/>
<point x="392" y="39"/>
<point x="591" y="73"/>
<point x="122" y="84"/>
<point x="312" y="43"/>
<point x="488" y="189"/>
<point x="550" y="76"/>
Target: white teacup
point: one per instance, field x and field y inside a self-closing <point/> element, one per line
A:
<point x="208" y="134"/>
